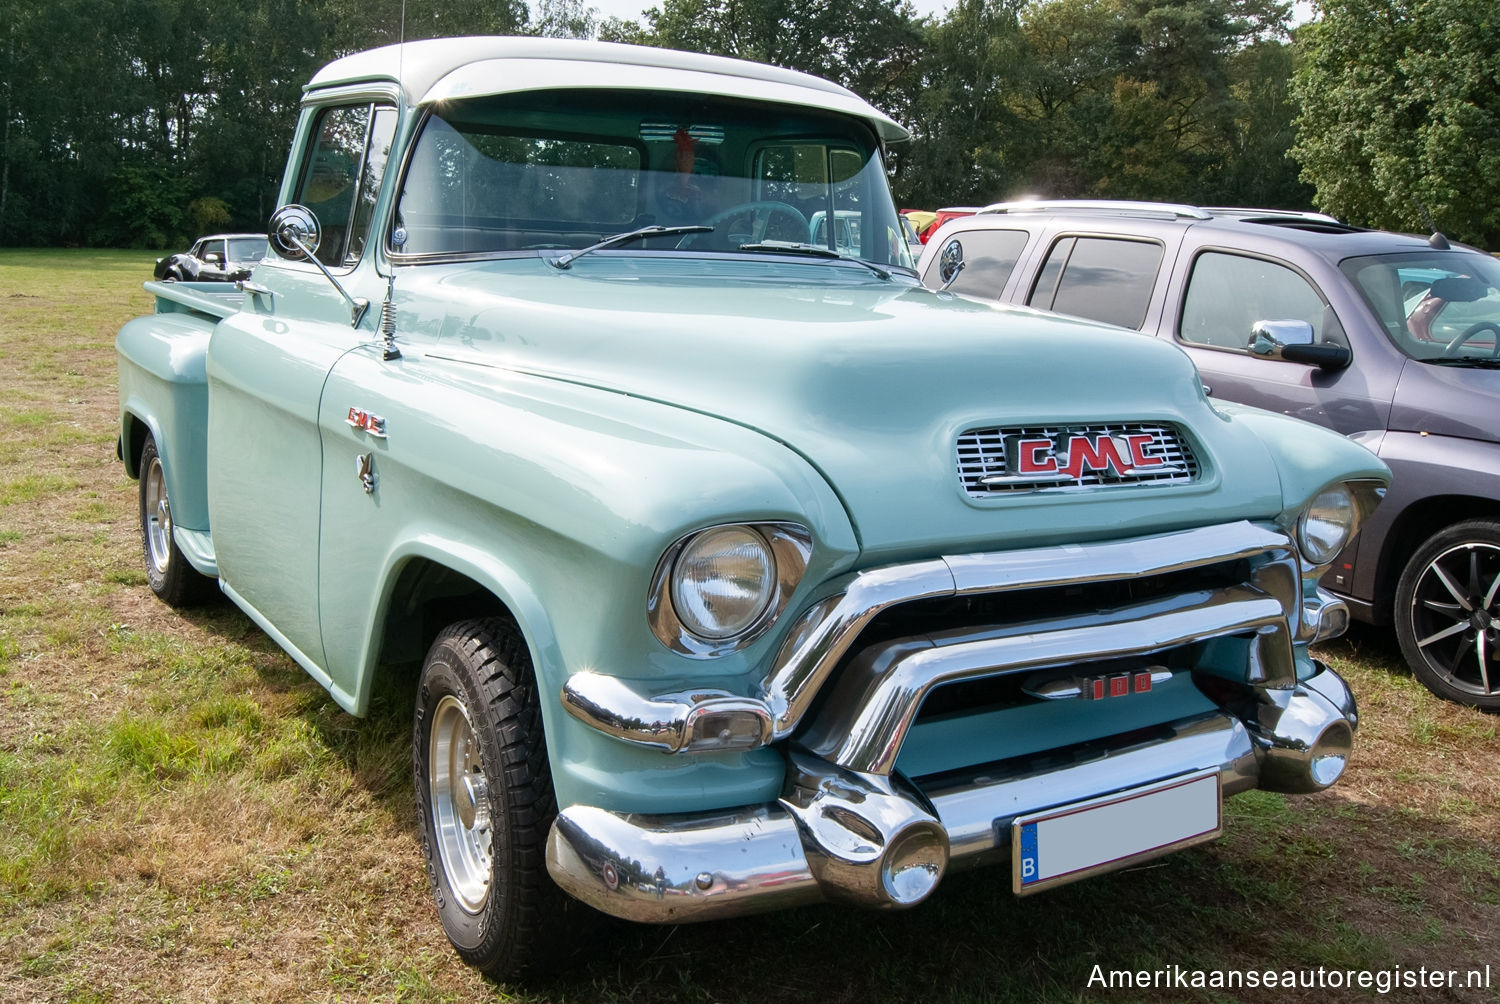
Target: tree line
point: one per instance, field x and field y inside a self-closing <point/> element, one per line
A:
<point x="145" y="122"/>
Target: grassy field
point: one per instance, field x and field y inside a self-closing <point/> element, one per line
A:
<point x="184" y="815"/>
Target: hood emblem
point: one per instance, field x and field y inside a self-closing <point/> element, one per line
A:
<point x="996" y="460"/>
<point x="1039" y="460"/>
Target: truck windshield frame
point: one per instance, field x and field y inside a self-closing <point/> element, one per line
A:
<point x="537" y="173"/>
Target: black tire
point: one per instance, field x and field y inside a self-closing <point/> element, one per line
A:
<point x="485" y="804"/>
<point x="1448" y="613"/>
<point x="178" y="583"/>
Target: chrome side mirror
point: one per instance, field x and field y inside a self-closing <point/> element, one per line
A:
<point x="950" y="262"/>
<point x="295" y="235"/>
<point x="295" y="232"/>
<point x="1296" y="342"/>
<point x="1268" y="338"/>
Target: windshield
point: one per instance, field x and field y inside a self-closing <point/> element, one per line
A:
<point x="1433" y="304"/>
<point x="540" y="172"/>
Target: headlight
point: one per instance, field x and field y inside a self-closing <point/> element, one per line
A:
<point x="717" y="590"/>
<point x="1326" y="525"/>
<point x="723" y="581"/>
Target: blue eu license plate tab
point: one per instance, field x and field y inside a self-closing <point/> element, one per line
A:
<point x="1071" y="842"/>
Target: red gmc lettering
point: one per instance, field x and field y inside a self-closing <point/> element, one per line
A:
<point x="1083" y="451"/>
<point x="1138" y="443"/>
<point x="1027" y="451"/>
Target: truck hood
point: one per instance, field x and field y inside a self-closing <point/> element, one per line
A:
<point x="1457" y="401"/>
<point x="870" y="381"/>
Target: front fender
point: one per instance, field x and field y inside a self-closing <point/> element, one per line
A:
<point x="560" y="500"/>
<point x="1307" y="457"/>
<point x="1458" y="475"/>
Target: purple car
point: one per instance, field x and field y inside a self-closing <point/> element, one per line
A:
<point x="1391" y="339"/>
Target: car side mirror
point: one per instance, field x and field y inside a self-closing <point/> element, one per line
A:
<point x="214" y="258"/>
<point x="1296" y="342"/>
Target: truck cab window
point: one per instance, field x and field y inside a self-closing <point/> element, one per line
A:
<point x="340" y="179"/>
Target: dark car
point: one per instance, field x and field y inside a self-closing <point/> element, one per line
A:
<point x="1391" y="339"/>
<point x="218" y="258"/>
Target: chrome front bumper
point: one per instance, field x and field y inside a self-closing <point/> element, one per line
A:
<point x="830" y="836"/>
<point x="850" y="827"/>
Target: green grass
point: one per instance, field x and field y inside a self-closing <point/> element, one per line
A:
<point x="184" y="814"/>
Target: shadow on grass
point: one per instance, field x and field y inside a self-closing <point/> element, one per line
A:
<point x="375" y="749"/>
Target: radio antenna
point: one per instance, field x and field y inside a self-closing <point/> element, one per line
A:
<point x="398" y="236"/>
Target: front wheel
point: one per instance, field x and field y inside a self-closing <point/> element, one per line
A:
<point x="1448" y="613"/>
<point x="485" y="801"/>
<point x="178" y="583"/>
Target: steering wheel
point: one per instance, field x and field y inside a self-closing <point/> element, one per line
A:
<point x="758" y="215"/>
<point x="1452" y="350"/>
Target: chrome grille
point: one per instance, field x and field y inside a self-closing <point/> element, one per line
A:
<point x="985" y="470"/>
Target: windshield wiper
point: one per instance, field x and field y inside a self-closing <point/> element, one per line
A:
<point x="813" y="251"/>
<point x="1489" y="363"/>
<point x="630" y="235"/>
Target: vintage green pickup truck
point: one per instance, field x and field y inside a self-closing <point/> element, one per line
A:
<point x="742" y="571"/>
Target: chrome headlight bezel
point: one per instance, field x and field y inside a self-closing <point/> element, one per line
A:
<point x="789" y="546"/>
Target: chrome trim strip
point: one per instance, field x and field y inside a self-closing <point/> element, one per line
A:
<point x="671" y="869"/>
<point x="1164" y="209"/>
<point x="865" y="721"/>
<point x="1324" y="618"/>
<point x="670" y="722"/>
<point x="825" y="633"/>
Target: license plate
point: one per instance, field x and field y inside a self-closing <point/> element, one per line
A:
<point x="1075" y="841"/>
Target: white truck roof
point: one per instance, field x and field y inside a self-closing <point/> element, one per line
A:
<point x="445" y="68"/>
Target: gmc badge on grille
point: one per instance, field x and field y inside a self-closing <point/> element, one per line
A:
<point x="1034" y="460"/>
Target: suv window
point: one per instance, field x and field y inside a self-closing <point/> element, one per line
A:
<point x="1100" y="278"/>
<point x="1433" y="304"/>
<point x="341" y="177"/>
<point x="990" y="257"/>
<point x="1228" y="293"/>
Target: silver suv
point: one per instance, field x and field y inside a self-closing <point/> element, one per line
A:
<point x="1391" y="339"/>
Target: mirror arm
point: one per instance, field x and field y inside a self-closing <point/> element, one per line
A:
<point x="1326" y="357"/>
<point x="957" y="268"/>
<point x="357" y="305"/>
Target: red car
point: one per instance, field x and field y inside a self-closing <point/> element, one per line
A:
<point x="943" y="216"/>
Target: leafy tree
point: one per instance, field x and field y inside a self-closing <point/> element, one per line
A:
<point x="965" y="133"/>
<point x="1400" y="114"/>
<point x="866" y="45"/>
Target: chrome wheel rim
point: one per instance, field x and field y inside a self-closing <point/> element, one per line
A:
<point x="460" y="804"/>
<point x="158" y="518"/>
<point x="1455" y="617"/>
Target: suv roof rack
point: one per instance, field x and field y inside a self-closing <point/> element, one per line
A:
<point x="1168" y="209"/>
<point x="1288" y="214"/>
